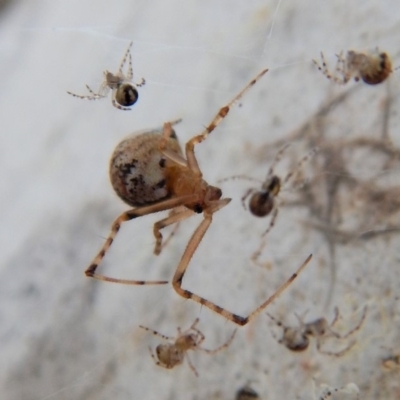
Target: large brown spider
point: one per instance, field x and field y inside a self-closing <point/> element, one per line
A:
<point x="149" y="172"/>
<point x="172" y="354"/>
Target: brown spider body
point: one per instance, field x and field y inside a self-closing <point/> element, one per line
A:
<point x="172" y="354"/>
<point x="139" y="173"/>
<point x="262" y="203"/>
<point x="372" y="68"/>
<point x="182" y="181"/>
<point x="298" y="338"/>
<point x="150" y="173"/>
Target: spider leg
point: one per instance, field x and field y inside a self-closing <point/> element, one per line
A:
<point x="129" y="75"/>
<point x="157" y="333"/>
<point x="195" y="322"/>
<point x="335" y="317"/>
<point x="91" y="97"/>
<point x="172" y="219"/>
<point x="343" y="73"/>
<point x="187" y="256"/>
<point x="357" y="327"/>
<point x="191" y="365"/>
<point x="336" y="353"/>
<point x="142" y="82"/>
<point x="153" y="356"/>
<point x="222" y="113"/>
<point x="277" y="158"/>
<point x="93" y="93"/>
<point x="225" y="345"/>
<point x="246" y="195"/>
<point x="256" y="255"/>
<point x="324" y="68"/>
<point x="175" y="228"/>
<point x="127" y="216"/>
<point x="167" y="133"/>
<point x="125" y="57"/>
<point x="299" y="165"/>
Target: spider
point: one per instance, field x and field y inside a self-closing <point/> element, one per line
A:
<point x="264" y="201"/>
<point x="124" y="92"/>
<point x="297" y="338"/>
<point x="149" y="172"/>
<point x="173" y="354"/>
<point x="372" y="68"/>
<point x="247" y="393"/>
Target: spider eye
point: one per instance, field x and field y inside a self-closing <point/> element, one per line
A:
<point x="126" y="95"/>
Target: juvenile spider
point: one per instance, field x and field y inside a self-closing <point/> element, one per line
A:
<point x="264" y="201"/>
<point x="298" y="338"/>
<point x="124" y="92"/>
<point x="372" y="68"/>
<point x="173" y="354"/>
<point x="149" y="172"/>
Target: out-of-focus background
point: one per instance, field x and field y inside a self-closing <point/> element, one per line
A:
<point x="64" y="336"/>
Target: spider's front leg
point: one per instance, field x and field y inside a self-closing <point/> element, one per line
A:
<point x="170" y="220"/>
<point x="127" y="216"/>
<point x="187" y="256"/>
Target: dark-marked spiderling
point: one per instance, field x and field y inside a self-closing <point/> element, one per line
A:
<point x="298" y="338"/>
<point x="124" y="92"/>
<point x="265" y="200"/>
<point x="172" y="354"/>
<point x="371" y="67"/>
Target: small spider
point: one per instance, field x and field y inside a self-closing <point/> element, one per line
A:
<point x="124" y="92"/>
<point x="247" y="393"/>
<point x="264" y="201"/>
<point x="372" y="68"/>
<point x="173" y="354"/>
<point x="297" y="338"/>
<point x="149" y="173"/>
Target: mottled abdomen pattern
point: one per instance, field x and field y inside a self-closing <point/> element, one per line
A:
<point x="137" y="168"/>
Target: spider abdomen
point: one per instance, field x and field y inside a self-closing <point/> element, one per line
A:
<point x="126" y="95"/>
<point x="138" y="170"/>
<point x="261" y="204"/>
<point x="377" y="70"/>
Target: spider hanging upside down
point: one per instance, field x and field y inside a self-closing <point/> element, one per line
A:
<point x="373" y="68"/>
<point x="149" y="172"/>
<point x="298" y="338"/>
<point x="265" y="199"/>
<point x="124" y="92"/>
<point x="172" y="354"/>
